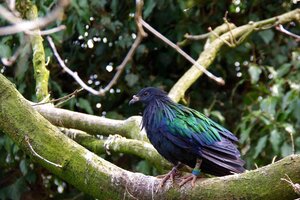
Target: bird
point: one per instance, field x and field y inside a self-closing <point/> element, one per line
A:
<point x="185" y="136"/>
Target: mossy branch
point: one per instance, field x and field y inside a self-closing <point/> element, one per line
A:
<point x="209" y="54"/>
<point x="101" y="179"/>
<point x="129" y="128"/>
<point x="119" y="144"/>
<point x="41" y="73"/>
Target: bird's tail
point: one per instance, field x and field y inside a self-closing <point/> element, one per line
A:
<point x="222" y="158"/>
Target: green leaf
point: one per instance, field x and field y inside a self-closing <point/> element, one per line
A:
<point x="254" y="72"/>
<point x="5" y="51"/>
<point x="23" y="167"/>
<point x="268" y="105"/>
<point x="143" y="167"/>
<point x="267" y="36"/>
<point x="245" y="132"/>
<point x="283" y="70"/>
<point x="31" y="177"/>
<point x="260" y="145"/>
<point x="286" y="149"/>
<point x="15" y="190"/>
<point x="85" y="104"/>
<point x="131" y="79"/>
<point x="296" y="112"/>
<point x="149" y="6"/>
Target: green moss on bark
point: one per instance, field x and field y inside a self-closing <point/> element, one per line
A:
<point x="41" y="73"/>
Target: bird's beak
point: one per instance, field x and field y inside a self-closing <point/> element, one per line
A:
<point x="134" y="100"/>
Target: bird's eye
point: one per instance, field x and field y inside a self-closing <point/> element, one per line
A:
<point x="146" y="94"/>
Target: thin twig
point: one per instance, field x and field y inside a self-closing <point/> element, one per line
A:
<point x="138" y="40"/>
<point x="197" y="37"/>
<point x="22" y="25"/>
<point x="179" y="50"/>
<point x="37" y="155"/>
<point x="62" y="99"/>
<point x="120" y="68"/>
<point x="274" y="159"/>
<point x="296" y="186"/>
<point x="283" y="30"/>
<point x="217" y="36"/>
<point x="51" y="31"/>
<point x="293" y="143"/>
<point x="70" y="72"/>
<point x="10" y="61"/>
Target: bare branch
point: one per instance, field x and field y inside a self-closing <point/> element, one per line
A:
<point x="10" y="61"/>
<point x="94" y="125"/>
<point x="179" y="50"/>
<point x="138" y="40"/>
<point x="121" y="67"/>
<point x="52" y="30"/>
<point x="296" y="186"/>
<point x="21" y="25"/>
<point x="283" y="30"/>
<point x="197" y="37"/>
<point x="70" y="72"/>
<point x="61" y="99"/>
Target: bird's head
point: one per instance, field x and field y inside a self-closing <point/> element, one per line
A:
<point x="147" y="95"/>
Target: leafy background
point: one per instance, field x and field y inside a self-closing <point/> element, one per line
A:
<point x="260" y="101"/>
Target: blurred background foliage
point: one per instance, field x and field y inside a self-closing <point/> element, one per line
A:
<point x="260" y="101"/>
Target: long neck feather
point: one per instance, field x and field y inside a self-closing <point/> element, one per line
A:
<point x="157" y="110"/>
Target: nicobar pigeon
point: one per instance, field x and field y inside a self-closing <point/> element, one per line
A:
<point x="185" y="136"/>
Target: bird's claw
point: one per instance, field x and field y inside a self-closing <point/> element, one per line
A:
<point x="171" y="175"/>
<point x="188" y="178"/>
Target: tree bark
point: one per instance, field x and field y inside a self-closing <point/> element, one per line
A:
<point x="95" y="176"/>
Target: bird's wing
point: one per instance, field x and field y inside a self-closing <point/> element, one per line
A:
<point x="188" y="128"/>
<point x="194" y="132"/>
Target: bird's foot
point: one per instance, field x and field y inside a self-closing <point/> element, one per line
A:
<point x="171" y="175"/>
<point x="190" y="177"/>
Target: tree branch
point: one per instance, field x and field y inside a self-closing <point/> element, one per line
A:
<point x="41" y="73"/>
<point x="119" y="144"/>
<point x="141" y="34"/>
<point x="91" y="124"/>
<point x="21" y="25"/>
<point x="283" y="30"/>
<point x="209" y="54"/>
<point x="101" y="179"/>
<point x="180" y="51"/>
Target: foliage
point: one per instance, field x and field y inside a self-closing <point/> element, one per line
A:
<point x="260" y="100"/>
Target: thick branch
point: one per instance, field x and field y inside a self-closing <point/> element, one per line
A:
<point x="95" y="176"/>
<point x="119" y="144"/>
<point x="209" y="54"/>
<point x="91" y="124"/>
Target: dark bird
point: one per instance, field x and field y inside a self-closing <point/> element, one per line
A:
<point x="185" y="136"/>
